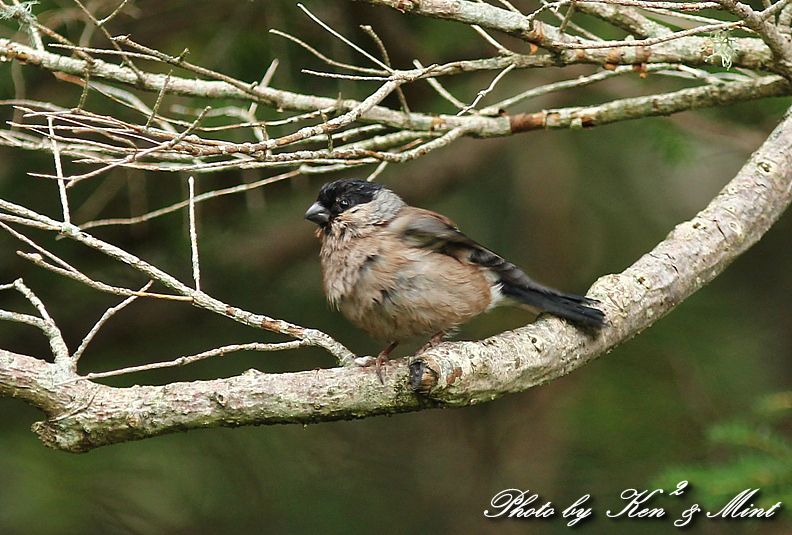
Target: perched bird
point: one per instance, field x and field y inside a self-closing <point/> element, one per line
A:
<point x="398" y="271"/>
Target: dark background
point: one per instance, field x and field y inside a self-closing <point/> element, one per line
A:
<point x="699" y="396"/>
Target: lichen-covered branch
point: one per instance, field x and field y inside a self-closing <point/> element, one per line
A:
<point x="325" y="134"/>
<point x="105" y="142"/>
<point x="82" y="415"/>
<point x="751" y="53"/>
<point x="652" y="106"/>
<point x="135" y="145"/>
<point x="694" y="253"/>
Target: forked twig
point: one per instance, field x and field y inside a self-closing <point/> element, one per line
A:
<point x="106" y="316"/>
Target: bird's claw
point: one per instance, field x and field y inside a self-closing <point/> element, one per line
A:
<point x="377" y="361"/>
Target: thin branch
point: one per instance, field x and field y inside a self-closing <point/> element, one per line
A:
<point x="157" y="103"/>
<point x="260" y="129"/>
<point x="341" y="76"/>
<point x="386" y="58"/>
<point x="97" y="285"/>
<point x="131" y="101"/>
<point x="181" y="204"/>
<point x="74" y="179"/>
<point x="112" y="15"/>
<point x="45" y="323"/>
<point x="18" y="317"/>
<point x="106" y="316"/>
<point x="67" y="270"/>
<point x="567" y="16"/>
<point x="580" y="81"/>
<point x="64" y="199"/>
<point x="655" y="40"/>
<point x="651" y="106"/>
<point x="379" y="169"/>
<point x="510" y="7"/>
<point x="481" y="94"/>
<point x="102" y="51"/>
<point x="198" y="298"/>
<point x="487" y="37"/>
<point x="181" y="361"/>
<point x="648" y="4"/>
<point x="344" y="39"/>
<point x="196" y="267"/>
<point x="774" y="8"/>
<point x="329" y="61"/>
<point x="442" y="91"/>
<point x="107" y="35"/>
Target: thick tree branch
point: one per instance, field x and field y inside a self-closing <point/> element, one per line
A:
<point x="130" y="143"/>
<point x="82" y="415"/>
<point x="108" y="143"/>
<point x="693" y="254"/>
<point x="750" y="53"/>
<point x="776" y="40"/>
<point x="652" y="105"/>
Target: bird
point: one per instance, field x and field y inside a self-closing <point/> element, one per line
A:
<point x="399" y="272"/>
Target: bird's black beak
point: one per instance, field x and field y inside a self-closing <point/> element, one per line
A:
<point x="317" y="214"/>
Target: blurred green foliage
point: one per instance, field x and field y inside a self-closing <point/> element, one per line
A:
<point x="567" y="206"/>
<point x="749" y="453"/>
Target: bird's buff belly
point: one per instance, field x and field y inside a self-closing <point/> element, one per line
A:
<point x="414" y="306"/>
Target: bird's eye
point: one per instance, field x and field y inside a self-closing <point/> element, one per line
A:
<point x="343" y="204"/>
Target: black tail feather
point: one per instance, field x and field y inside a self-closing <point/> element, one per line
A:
<point x="568" y="306"/>
<point x="518" y="286"/>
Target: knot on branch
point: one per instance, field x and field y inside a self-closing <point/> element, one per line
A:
<point x="65" y="438"/>
<point x="422" y="377"/>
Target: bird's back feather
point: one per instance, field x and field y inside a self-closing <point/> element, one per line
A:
<point x="427" y="229"/>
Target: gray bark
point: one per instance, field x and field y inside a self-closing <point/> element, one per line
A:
<point x="82" y="415"/>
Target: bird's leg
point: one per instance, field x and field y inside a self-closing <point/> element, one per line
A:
<point x="383" y="358"/>
<point x="433" y="341"/>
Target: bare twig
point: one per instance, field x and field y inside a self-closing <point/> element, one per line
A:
<point x="196" y="269"/>
<point x="705" y="28"/>
<point x="386" y="58"/>
<point x="259" y="129"/>
<point x="102" y="28"/>
<point x="487" y="37"/>
<point x="106" y="316"/>
<point x="45" y="323"/>
<point x="374" y="174"/>
<point x="157" y="103"/>
<point x="74" y="179"/>
<point x="181" y="361"/>
<point x="567" y="16"/>
<point x="442" y="91"/>
<point x="112" y="15"/>
<point x="344" y="39"/>
<point x="67" y="270"/>
<point x="198" y="298"/>
<point x="59" y="174"/>
<point x="329" y="61"/>
<point x="181" y="204"/>
<point x="580" y="81"/>
<point x="481" y="94"/>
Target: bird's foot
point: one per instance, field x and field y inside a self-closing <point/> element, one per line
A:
<point x="381" y="359"/>
<point x="433" y="342"/>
